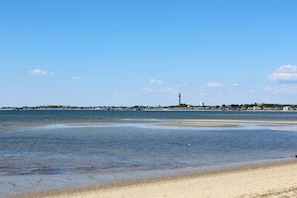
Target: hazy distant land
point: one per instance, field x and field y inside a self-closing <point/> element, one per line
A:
<point x="187" y="107"/>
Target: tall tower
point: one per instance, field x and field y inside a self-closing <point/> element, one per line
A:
<point x="179" y="99"/>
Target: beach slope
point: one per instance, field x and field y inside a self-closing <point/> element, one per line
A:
<point x="276" y="180"/>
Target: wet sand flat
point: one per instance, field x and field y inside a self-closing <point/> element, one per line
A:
<point x="223" y="123"/>
<point x="275" y="180"/>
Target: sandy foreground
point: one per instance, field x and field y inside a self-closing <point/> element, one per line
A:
<point x="274" y="180"/>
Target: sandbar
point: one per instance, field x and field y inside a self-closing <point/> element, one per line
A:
<point x="270" y="180"/>
<point x="200" y="125"/>
<point x="223" y="123"/>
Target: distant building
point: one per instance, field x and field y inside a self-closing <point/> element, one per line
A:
<point x="287" y="108"/>
<point x="201" y="103"/>
<point x="256" y="108"/>
<point x="179" y="99"/>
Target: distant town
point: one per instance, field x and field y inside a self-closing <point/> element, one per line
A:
<point x="179" y="107"/>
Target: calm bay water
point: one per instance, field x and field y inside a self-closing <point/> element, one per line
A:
<point x="46" y="150"/>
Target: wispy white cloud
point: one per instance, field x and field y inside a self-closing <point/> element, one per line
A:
<point x="148" y="90"/>
<point x="235" y="85"/>
<point x="269" y="89"/>
<point x="154" y="81"/>
<point x="285" y="74"/>
<point x="286" y="78"/>
<point x="288" y="89"/>
<point x="181" y="85"/>
<point x="145" y="91"/>
<point x="169" y="89"/>
<point x="213" y="85"/>
<point x="121" y="94"/>
<point x="163" y="90"/>
<point x="76" y="78"/>
<point x="39" y="72"/>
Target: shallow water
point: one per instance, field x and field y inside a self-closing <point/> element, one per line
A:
<point x="46" y="150"/>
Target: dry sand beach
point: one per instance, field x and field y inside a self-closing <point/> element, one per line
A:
<point x="274" y="180"/>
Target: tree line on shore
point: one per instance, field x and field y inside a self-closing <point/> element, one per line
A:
<point x="231" y="107"/>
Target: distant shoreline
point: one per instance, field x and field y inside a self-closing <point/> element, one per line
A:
<point x="132" y="109"/>
<point x="181" y="107"/>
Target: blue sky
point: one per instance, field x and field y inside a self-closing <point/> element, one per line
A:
<point x="132" y="52"/>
